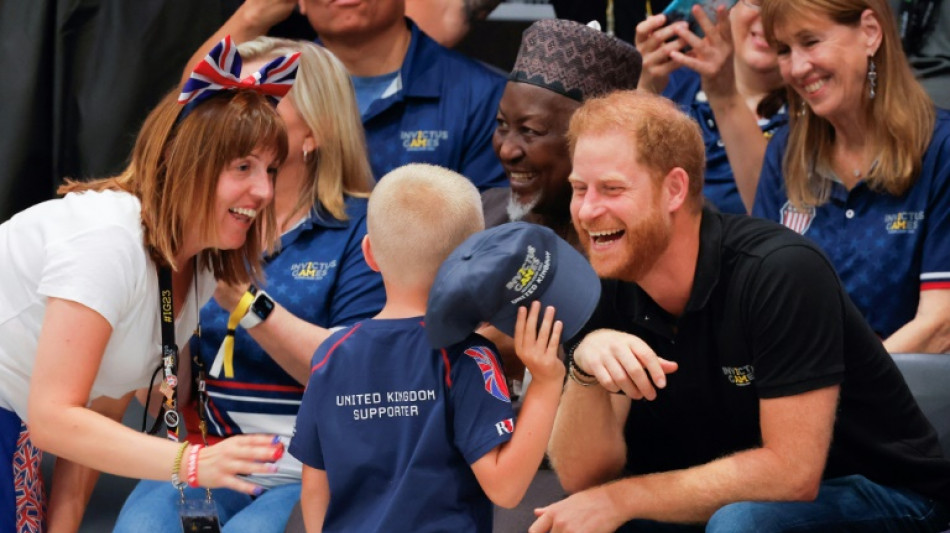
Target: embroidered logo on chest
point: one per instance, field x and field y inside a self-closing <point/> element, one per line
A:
<point x="903" y="222"/>
<point x="423" y="140"/>
<point x="311" y="270"/>
<point x="740" y="376"/>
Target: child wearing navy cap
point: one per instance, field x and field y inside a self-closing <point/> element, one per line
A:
<point x="398" y="434"/>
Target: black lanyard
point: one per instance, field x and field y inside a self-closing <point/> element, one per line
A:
<point x="201" y="386"/>
<point x="169" y="367"/>
<point x="168" y="413"/>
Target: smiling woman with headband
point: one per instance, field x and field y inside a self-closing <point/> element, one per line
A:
<point x="98" y="285"/>
<point x="253" y="353"/>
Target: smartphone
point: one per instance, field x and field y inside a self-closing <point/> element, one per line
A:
<point x="682" y="10"/>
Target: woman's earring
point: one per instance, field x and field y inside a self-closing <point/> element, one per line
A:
<point x="306" y="154"/>
<point x="872" y="78"/>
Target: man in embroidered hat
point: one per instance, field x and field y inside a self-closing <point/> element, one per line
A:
<point x="559" y="65"/>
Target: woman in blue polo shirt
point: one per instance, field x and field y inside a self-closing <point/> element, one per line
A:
<point x="729" y="83"/>
<point x="316" y="280"/>
<point x="864" y="166"/>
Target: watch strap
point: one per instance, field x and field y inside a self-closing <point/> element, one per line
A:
<point x="260" y="308"/>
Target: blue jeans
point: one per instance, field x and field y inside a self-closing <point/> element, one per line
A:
<point x="850" y="504"/>
<point x="153" y="507"/>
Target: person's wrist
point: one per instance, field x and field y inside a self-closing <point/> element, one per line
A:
<point x="191" y="465"/>
<point x="723" y="99"/>
<point x="177" y="473"/>
<point x="254" y="20"/>
<point x="259" y="309"/>
<point x="572" y="361"/>
<point x="578" y="374"/>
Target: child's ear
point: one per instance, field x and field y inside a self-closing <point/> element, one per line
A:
<point x="368" y="254"/>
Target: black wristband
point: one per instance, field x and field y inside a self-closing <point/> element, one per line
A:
<point x="577" y="369"/>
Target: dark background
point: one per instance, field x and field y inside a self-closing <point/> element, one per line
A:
<point x="81" y="75"/>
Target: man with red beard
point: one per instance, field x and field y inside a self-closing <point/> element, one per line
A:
<point x="560" y="63"/>
<point x="726" y="382"/>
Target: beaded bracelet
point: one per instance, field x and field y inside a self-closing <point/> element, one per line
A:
<point x="575" y="374"/>
<point x="176" y="466"/>
<point x="192" y="473"/>
<point x="578" y="370"/>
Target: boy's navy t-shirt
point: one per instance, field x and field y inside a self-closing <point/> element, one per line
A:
<point x="396" y="425"/>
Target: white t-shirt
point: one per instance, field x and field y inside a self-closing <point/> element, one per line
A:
<point x="85" y="248"/>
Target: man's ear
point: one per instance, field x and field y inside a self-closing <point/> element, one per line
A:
<point x="676" y="187"/>
<point x="368" y="254"/>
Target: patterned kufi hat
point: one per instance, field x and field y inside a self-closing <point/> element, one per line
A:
<point x="575" y="60"/>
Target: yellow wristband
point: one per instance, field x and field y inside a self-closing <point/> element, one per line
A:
<point x="239" y="311"/>
<point x="176" y="466"/>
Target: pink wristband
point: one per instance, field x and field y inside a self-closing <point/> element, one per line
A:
<point x="192" y="470"/>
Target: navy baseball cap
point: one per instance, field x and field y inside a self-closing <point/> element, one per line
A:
<point x="496" y="271"/>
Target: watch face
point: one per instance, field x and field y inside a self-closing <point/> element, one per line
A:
<point x="263" y="305"/>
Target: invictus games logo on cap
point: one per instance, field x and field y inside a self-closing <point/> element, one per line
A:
<point x="530" y="275"/>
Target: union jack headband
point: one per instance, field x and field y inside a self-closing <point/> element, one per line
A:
<point x="220" y="71"/>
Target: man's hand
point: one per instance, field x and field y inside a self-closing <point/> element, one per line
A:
<point x="537" y="346"/>
<point x="623" y="362"/>
<point x="590" y="511"/>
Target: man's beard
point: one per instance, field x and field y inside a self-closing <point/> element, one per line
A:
<point x="518" y="210"/>
<point x="645" y="242"/>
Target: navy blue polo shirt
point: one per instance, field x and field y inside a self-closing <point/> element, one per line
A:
<point x="444" y="114"/>
<point x="885" y="248"/>
<point x="318" y="274"/>
<point x="685" y="88"/>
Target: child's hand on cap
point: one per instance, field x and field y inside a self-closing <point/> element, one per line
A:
<point x="537" y="346"/>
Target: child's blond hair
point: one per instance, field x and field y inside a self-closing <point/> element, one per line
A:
<point x="417" y="215"/>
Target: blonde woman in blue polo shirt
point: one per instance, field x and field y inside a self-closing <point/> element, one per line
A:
<point x="316" y="280"/>
<point x="864" y="166"/>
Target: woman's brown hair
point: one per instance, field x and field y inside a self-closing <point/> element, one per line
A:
<point x="174" y="172"/>
<point x="901" y="117"/>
